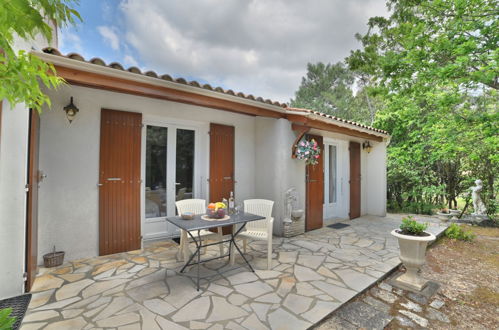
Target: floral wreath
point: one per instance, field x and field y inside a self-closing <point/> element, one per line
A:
<point x="309" y="151"/>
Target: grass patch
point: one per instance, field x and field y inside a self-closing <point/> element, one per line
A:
<point x="485" y="231"/>
<point x="485" y="295"/>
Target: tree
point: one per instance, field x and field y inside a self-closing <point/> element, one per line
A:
<point x="435" y="66"/>
<point x="432" y="42"/>
<point x="326" y="88"/>
<point x="21" y="72"/>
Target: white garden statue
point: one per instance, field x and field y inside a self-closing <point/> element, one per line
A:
<point x="478" y="204"/>
<point x="289" y="199"/>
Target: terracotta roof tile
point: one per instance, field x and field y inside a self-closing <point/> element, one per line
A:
<point x="166" y="77"/>
<point x="151" y="74"/>
<point x="339" y="119"/>
<point x="97" y="61"/>
<point x="116" y="65"/>
<point x="75" y="56"/>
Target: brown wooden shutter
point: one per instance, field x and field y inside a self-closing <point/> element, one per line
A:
<point x="119" y="181"/>
<point x="315" y="189"/>
<point x="32" y="199"/>
<point x="355" y="186"/>
<point x="221" y="164"/>
<point x="221" y="161"/>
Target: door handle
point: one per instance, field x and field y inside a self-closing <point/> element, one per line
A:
<point x="313" y="180"/>
<point x="227" y="178"/>
<point x="113" y="179"/>
<point x="177" y="183"/>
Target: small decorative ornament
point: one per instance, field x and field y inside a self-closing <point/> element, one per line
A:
<point x="309" y="151"/>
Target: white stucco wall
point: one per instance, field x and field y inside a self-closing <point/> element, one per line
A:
<point x="376" y="180"/>
<point x="69" y="155"/>
<point x="275" y="170"/>
<point x="14" y="132"/>
<point x="13" y="168"/>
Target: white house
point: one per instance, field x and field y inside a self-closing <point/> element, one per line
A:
<point x="105" y="182"/>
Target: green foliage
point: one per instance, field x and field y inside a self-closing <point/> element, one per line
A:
<point x="6" y="321"/>
<point x="427" y="43"/>
<point x="329" y="88"/>
<point x="493" y="209"/>
<point x="410" y="226"/>
<point x="434" y="65"/>
<point x="20" y="72"/>
<point x="413" y="207"/>
<point x="457" y="232"/>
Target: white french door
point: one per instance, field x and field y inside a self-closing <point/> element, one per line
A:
<point x="170" y="173"/>
<point x="334" y="177"/>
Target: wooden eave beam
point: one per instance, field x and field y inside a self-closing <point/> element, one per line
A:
<point x="101" y="81"/>
<point x="317" y="124"/>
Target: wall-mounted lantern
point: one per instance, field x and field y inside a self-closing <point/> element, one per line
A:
<point x="71" y="110"/>
<point x="367" y="146"/>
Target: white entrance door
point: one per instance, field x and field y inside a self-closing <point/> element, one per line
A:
<point x="169" y="176"/>
<point x="334" y="177"/>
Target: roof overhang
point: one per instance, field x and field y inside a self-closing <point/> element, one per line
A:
<point x="82" y="73"/>
<point x="95" y="76"/>
<point x="310" y="120"/>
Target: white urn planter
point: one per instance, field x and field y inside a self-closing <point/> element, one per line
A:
<point x="412" y="255"/>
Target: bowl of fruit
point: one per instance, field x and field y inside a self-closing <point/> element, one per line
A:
<point x="216" y="210"/>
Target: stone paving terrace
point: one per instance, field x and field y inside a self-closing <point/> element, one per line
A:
<point x="312" y="275"/>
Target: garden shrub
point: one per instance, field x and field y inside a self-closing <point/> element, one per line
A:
<point x="6" y="321"/>
<point x="412" y="207"/>
<point x="410" y="226"/>
<point x="457" y="232"/>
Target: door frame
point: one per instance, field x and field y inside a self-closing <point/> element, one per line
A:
<point x="199" y="170"/>
<point x="32" y="180"/>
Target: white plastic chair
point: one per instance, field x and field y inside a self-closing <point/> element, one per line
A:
<point x="196" y="206"/>
<point x="260" y="230"/>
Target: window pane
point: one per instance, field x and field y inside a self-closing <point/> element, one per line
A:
<point x="184" y="164"/>
<point x="156" y="144"/>
<point x="332" y="174"/>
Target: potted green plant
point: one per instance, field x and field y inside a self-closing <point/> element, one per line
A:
<point x="413" y="240"/>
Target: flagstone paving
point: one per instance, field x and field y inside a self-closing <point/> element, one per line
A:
<point x="312" y="275"/>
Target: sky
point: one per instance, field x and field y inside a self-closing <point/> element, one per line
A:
<point x="258" y="47"/>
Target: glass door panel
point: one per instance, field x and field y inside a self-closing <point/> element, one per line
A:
<point x="156" y="171"/>
<point x="333" y="184"/>
<point x="184" y="165"/>
<point x="331" y="181"/>
<point x="169" y="176"/>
